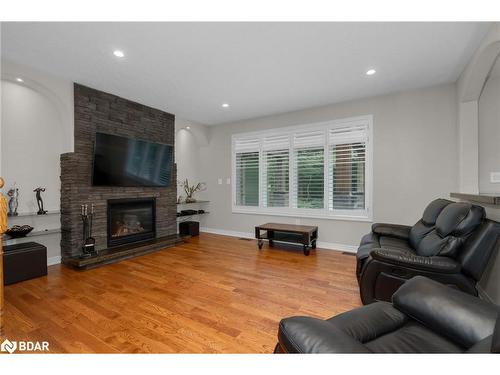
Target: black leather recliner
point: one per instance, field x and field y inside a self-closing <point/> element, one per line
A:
<point x="424" y="317"/>
<point x="452" y="244"/>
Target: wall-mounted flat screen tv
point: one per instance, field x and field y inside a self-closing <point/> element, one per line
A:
<point x="120" y="161"/>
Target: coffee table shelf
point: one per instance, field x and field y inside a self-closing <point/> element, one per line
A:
<point x="296" y="234"/>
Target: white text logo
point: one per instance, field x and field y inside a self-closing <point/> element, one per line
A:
<point x="24" y="346"/>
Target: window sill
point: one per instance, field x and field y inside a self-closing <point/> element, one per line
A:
<point x="308" y="215"/>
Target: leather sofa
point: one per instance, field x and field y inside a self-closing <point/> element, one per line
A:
<point x="452" y="243"/>
<point x="424" y="317"/>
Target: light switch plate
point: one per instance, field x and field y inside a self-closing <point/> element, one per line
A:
<point x="228" y="181"/>
<point x="495" y="177"/>
<point x="219" y="181"/>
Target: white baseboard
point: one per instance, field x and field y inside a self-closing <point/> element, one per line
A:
<point x="320" y="244"/>
<point x="53" y="260"/>
<point x="337" y="246"/>
<point x="230" y="233"/>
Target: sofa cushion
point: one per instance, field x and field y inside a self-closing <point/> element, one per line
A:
<point x="453" y="225"/>
<point x="432" y="244"/>
<point x="428" y="221"/>
<point x="459" y="219"/>
<point x="433" y="210"/>
<point x="418" y="232"/>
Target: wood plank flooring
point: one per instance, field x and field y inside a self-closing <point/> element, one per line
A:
<point x="214" y="294"/>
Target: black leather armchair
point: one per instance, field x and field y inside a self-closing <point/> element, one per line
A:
<point x="452" y="244"/>
<point x="424" y="317"/>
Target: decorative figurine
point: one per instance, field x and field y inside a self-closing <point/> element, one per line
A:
<point x="13" y="194"/>
<point x="39" y="201"/>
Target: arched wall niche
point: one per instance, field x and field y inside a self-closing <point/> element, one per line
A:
<point x="34" y="134"/>
<point x="57" y="102"/>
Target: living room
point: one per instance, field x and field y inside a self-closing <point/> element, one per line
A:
<point x="250" y="187"/>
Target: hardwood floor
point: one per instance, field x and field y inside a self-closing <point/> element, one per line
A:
<point x="215" y="294"/>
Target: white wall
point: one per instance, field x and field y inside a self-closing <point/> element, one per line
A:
<point x="188" y="143"/>
<point x="470" y="87"/>
<point x="414" y="160"/>
<point x="489" y="134"/>
<point x="37" y="126"/>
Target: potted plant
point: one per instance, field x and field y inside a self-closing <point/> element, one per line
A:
<point x="190" y="190"/>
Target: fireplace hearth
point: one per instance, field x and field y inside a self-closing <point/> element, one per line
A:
<point x="131" y="220"/>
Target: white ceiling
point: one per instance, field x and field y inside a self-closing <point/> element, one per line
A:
<point x="190" y="69"/>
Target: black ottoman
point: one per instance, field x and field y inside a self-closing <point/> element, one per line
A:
<point x="189" y="228"/>
<point x="24" y="261"/>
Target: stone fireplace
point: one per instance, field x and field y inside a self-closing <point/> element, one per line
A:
<point x="140" y="215"/>
<point x="131" y="220"/>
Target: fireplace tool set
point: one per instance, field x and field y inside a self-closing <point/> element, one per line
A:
<point x="88" y="248"/>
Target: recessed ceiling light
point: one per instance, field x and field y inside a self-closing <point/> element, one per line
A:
<point x="118" y="53"/>
<point x="225" y="105"/>
<point x="188" y="127"/>
<point x="371" y="72"/>
<point x="19" y="80"/>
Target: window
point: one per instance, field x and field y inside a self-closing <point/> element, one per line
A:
<point x="247" y="173"/>
<point x="318" y="170"/>
<point x="276" y="173"/>
<point x="347" y="167"/>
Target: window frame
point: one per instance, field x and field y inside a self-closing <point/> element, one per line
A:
<point x="324" y="213"/>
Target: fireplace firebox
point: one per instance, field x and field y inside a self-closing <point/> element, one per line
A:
<point x="131" y="220"/>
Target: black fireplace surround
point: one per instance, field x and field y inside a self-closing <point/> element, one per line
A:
<point x="131" y="220"/>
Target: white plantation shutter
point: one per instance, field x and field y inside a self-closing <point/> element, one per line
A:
<point x="309" y="139"/>
<point x="308" y="170"/>
<point x="275" y="192"/>
<point x="246" y="179"/>
<point x="318" y="170"/>
<point x="346" y="133"/>
<point x="276" y="142"/>
<point x="347" y="167"/>
<point x="276" y="171"/>
<point x="247" y="144"/>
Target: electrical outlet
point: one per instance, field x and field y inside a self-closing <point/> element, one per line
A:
<point x="495" y="177"/>
<point x="219" y="181"/>
<point x="228" y="181"/>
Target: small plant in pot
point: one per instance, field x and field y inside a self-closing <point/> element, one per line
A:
<point x="190" y="190"/>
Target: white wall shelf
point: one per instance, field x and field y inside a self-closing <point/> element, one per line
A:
<point x="36" y="233"/>
<point x="21" y="214"/>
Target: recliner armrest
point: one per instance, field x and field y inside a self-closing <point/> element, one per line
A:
<point x="300" y="334"/>
<point x="405" y="259"/>
<point x="463" y="318"/>
<point x="392" y="230"/>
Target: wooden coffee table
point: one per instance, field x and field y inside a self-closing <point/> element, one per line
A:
<point x="297" y="234"/>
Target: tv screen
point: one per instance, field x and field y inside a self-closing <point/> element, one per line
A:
<point x="120" y="161"/>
